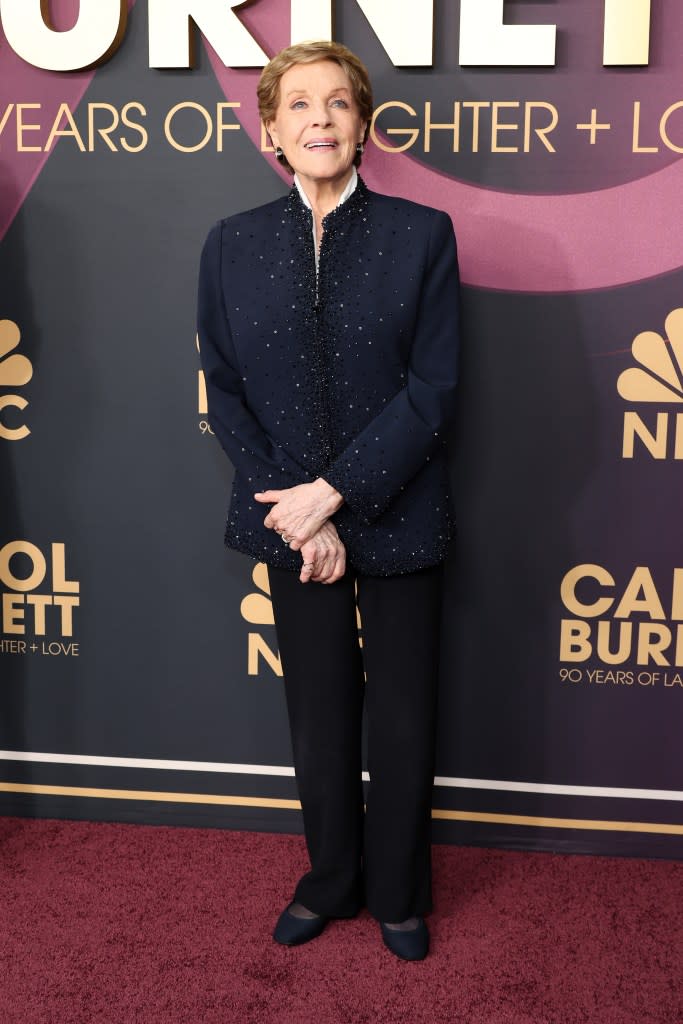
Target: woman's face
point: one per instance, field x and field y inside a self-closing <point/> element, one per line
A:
<point x="317" y="124"/>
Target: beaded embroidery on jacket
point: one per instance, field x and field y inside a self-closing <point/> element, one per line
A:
<point x="345" y="373"/>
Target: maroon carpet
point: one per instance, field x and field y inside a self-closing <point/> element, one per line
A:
<point x="120" y="924"/>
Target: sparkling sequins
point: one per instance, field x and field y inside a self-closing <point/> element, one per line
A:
<point x="328" y="356"/>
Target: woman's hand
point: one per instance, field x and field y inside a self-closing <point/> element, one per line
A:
<point x="324" y="556"/>
<point x="299" y="512"/>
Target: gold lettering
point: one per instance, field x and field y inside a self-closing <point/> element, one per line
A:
<point x="497" y="127"/>
<point x="188" y="105"/>
<point x="140" y="129"/>
<point x="67" y="605"/>
<point x="431" y="126"/>
<point x="6" y="116"/>
<point x="257" y="645"/>
<point x="39" y="603"/>
<point x="21" y="128"/>
<point x="13" y="613"/>
<point x="221" y="126"/>
<point x="624" y="648"/>
<point x="412" y="133"/>
<point x="575" y="640"/>
<point x="654" y="443"/>
<point x="678" y="446"/>
<point x="637" y="148"/>
<point x="653" y="639"/>
<point x="38" y="572"/>
<point x="15" y="433"/>
<point x="541" y="132"/>
<point x="568" y="590"/>
<point x="70" y="132"/>
<point x="103" y="132"/>
<point x="631" y="602"/>
<point x="677" y="596"/>
<point x="476" y="106"/>
<point x="664" y="126"/>
<point x="59" y="580"/>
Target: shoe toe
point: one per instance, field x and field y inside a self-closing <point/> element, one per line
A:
<point x="292" y="931"/>
<point x="410" y="945"/>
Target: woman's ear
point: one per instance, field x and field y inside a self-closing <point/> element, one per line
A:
<point x="272" y="133"/>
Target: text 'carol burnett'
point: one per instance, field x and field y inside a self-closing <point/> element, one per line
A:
<point x="656" y="635"/>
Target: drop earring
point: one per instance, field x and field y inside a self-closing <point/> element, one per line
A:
<point x="279" y="153"/>
<point x="360" y="148"/>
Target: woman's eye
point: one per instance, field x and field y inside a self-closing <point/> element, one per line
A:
<point x="339" y="103"/>
<point x="298" y="105"/>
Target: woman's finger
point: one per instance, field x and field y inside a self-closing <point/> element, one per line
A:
<point x="321" y="563"/>
<point x="307" y="571"/>
<point x="339" y="564"/>
<point x="329" y="564"/>
<point x="309" y="552"/>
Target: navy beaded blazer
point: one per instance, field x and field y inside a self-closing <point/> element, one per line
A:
<point x="348" y="374"/>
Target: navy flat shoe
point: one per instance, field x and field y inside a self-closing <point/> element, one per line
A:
<point x="292" y="931"/>
<point x="411" y="945"/>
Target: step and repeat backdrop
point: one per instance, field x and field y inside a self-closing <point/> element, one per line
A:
<point x="139" y="670"/>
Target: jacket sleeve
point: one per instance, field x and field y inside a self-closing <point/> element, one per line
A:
<point x="396" y="444"/>
<point x="252" y="452"/>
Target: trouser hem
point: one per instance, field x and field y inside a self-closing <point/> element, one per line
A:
<point x="389" y="918"/>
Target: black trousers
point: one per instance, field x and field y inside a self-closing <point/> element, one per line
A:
<point x="380" y="858"/>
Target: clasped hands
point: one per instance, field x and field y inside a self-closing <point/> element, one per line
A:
<point x="301" y="514"/>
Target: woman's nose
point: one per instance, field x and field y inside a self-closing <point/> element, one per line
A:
<point x="321" y="118"/>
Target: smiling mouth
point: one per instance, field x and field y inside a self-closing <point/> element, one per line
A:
<point x="321" y="145"/>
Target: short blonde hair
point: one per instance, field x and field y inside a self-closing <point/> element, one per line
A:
<point x="268" y="88"/>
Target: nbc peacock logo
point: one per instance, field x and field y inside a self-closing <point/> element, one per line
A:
<point x="15" y="371"/>
<point x="657" y="381"/>
<point x="257" y="609"/>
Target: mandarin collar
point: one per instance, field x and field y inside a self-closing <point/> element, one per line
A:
<point x="349" y="189"/>
<point x="356" y="200"/>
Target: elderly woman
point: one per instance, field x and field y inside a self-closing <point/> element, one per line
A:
<point x="328" y="330"/>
